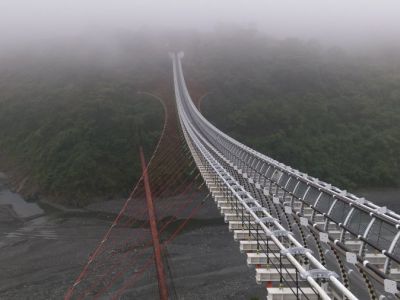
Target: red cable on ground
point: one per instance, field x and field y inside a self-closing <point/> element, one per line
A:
<point x="180" y="195"/>
<point x="180" y="208"/>
<point x="122" y="272"/>
<point x="162" y="284"/>
<point x="177" y="189"/>
<point x="118" y="275"/>
<point x="132" y="220"/>
<point x="125" y="286"/>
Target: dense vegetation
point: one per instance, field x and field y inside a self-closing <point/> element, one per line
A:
<point x="72" y="121"/>
<point x="333" y="115"/>
<point x="75" y="130"/>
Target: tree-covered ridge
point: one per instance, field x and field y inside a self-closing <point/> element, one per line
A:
<point x="85" y="149"/>
<point x="74" y="131"/>
<point x="333" y="115"/>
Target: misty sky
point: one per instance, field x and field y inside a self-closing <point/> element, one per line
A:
<point x="326" y="20"/>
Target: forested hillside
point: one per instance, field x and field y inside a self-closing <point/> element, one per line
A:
<point x="329" y="113"/>
<point x="71" y="120"/>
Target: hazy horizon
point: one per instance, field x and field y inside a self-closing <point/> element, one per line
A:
<point x="335" y="23"/>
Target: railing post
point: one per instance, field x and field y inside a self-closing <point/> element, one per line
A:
<point x="258" y="244"/>
<point x="280" y="270"/>
<point x="297" y="284"/>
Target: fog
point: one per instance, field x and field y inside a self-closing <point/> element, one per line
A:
<point x="334" y="22"/>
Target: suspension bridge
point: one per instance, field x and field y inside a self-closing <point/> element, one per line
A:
<point x="305" y="238"/>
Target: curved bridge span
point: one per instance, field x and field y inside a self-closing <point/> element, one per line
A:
<point x="306" y="238"/>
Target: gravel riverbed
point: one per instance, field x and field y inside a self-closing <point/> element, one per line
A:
<point x="43" y="249"/>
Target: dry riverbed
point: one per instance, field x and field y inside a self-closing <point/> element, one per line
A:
<point x="42" y="249"/>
